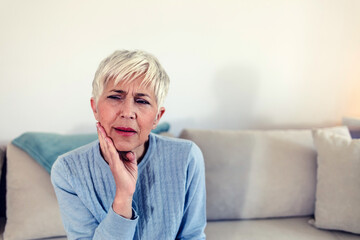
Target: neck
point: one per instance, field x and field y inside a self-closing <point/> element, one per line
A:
<point x="146" y="146"/>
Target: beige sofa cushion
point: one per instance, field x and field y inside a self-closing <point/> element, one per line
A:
<point x="338" y="186"/>
<point x="272" y="229"/>
<point x="32" y="209"/>
<point x="258" y="174"/>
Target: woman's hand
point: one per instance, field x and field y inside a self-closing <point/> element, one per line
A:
<point x="123" y="166"/>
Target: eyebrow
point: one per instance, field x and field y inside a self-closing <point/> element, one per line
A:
<point x="137" y="94"/>
<point x="118" y="91"/>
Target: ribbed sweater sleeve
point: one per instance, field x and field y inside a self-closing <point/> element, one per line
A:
<point x="193" y="222"/>
<point x="115" y="225"/>
<point x="78" y="221"/>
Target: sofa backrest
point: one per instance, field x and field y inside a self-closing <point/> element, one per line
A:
<point x="258" y="174"/>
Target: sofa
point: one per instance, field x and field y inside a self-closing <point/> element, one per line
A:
<point x="261" y="184"/>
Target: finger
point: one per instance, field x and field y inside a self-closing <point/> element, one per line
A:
<point x="104" y="145"/>
<point x="130" y="163"/>
<point x="113" y="153"/>
<point x="110" y="146"/>
<point x="101" y="137"/>
<point x="101" y="130"/>
<point x="106" y="139"/>
<point x="131" y="156"/>
<point x="123" y="156"/>
<point x="127" y="156"/>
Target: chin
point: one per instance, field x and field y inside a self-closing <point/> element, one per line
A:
<point x="123" y="148"/>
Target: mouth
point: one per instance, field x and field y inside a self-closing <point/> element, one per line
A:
<point x="124" y="131"/>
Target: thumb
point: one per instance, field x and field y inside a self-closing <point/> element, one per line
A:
<point x="131" y="157"/>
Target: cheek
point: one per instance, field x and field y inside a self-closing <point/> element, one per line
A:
<point x="106" y="115"/>
<point x="149" y="121"/>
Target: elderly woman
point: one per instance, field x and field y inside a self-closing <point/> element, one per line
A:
<point x="131" y="183"/>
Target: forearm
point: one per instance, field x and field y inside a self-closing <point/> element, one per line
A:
<point x="81" y="220"/>
<point x="115" y="226"/>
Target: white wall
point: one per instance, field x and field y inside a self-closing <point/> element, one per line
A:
<point x="233" y="64"/>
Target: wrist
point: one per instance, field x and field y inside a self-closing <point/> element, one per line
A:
<point x="123" y="207"/>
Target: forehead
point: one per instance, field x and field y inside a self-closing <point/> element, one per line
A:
<point x="136" y="85"/>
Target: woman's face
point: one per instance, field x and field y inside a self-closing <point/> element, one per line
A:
<point x="128" y="112"/>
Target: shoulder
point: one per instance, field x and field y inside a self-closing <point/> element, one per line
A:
<point x="75" y="159"/>
<point x="81" y="151"/>
<point x="178" y="148"/>
<point x="174" y="143"/>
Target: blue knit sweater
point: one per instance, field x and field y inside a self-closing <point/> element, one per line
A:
<point x="169" y="201"/>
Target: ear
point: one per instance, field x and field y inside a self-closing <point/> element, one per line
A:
<point x="158" y="117"/>
<point x="94" y="108"/>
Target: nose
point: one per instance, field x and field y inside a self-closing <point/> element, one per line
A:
<point x="128" y="110"/>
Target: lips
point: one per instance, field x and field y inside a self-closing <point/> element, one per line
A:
<point x="124" y="131"/>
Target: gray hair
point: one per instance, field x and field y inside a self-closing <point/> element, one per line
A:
<point x="126" y="66"/>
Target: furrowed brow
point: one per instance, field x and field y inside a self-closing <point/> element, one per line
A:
<point x="142" y="95"/>
<point x="119" y="91"/>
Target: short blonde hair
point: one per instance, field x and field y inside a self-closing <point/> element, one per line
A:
<point x="127" y="66"/>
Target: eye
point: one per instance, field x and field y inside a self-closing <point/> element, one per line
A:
<point x="141" y="101"/>
<point x="115" y="97"/>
